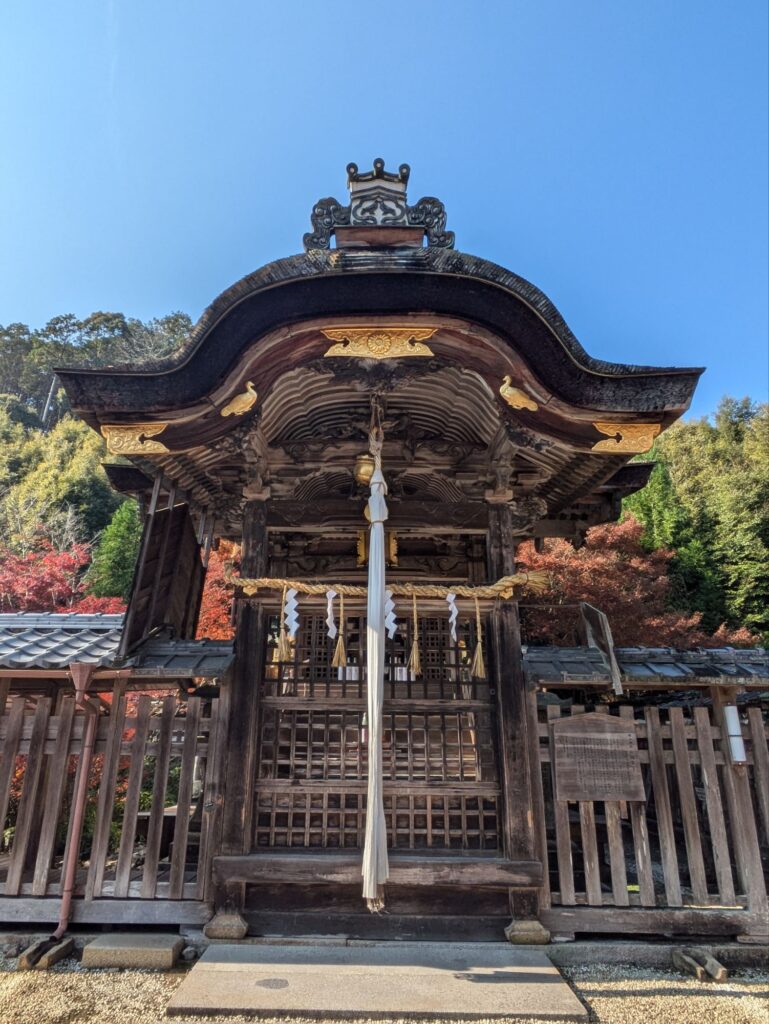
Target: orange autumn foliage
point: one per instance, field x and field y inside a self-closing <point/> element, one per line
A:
<point x="616" y="574"/>
<point x="215" y="620"/>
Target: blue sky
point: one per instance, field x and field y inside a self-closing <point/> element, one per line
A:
<point x="613" y="153"/>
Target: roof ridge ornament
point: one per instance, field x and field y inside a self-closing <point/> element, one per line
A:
<point x="354" y="175"/>
<point x="378" y="214"/>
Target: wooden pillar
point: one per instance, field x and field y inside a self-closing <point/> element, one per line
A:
<point x="515" y="726"/>
<point x="244" y="684"/>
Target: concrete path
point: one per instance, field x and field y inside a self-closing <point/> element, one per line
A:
<point x="436" y="980"/>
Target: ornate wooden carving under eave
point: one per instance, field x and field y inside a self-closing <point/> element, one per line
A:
<point x="337" y="513"/>
<point x="516" y="398"/>
<point x="626" y="438"/>
<point x="240" y="404"/>
<point x="133" y="438"/>
<point x="379" y="342"/>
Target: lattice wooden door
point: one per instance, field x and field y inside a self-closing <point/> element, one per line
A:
<point x="440" y="739"/>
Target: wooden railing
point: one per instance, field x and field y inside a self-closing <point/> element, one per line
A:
<point x="153" y="797"/>
<point x="691" y="858"/>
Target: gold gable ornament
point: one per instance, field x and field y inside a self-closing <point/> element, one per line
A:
<point x="375" y="342"/>
<point x="626" y="438"/>
<point x="514" y="397"/>
<point x="240" y="404"/>
<point x="133" y="438"/>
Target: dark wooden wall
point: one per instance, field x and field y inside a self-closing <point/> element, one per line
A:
<point x="168" y="580"/>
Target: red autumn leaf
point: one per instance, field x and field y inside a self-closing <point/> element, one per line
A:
<point x="613" y="572"/>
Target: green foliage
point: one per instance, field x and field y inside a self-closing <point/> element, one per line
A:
<point x="16" y="421"/>
<point x="56" y="485"/>
<point x="29" y="357"/>
<point x="115" y="555"/>
<point x="708" y="499"/>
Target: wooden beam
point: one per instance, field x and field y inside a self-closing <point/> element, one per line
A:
<point x="28" y="910"/>
<point x="325" y="868"/>
<point x="640" y="921"/>
<point x="428" y="517"/>
<point x="162" y="558"/>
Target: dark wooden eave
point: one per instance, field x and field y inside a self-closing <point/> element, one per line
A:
<point x="300" y="441"/>
<point x="334" y="284"/>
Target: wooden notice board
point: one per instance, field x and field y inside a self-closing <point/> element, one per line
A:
<point x="596" y="758"/>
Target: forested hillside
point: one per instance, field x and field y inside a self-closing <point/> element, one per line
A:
<point x="688" y="565"/>
<point x="67" y="541"/>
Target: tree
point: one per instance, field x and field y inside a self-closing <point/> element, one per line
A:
<point x="63" y="483"/>
<point x="615" y="573"/>
<point x="214" y="622"/>
<point x="46" y="580"/>
<point x="708" y="500"/>
<point x="16" y="422"/>
<point x="28" y="357"/>
<point x="114" y="557"/>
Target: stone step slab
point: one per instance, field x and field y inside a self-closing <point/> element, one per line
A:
<point x="435" y="980"/>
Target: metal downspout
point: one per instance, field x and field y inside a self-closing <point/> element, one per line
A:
<point x="81" y="677"/>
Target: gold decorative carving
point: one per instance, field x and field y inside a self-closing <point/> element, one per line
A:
<point x="240" y="403"/>
<point x="373" y="342"/>
<point x="132" y="438"/>
<point x="391" y="540"/>
<point x="516" y="398"/>
<point x="391" y="547"/>
<point x="629" y="438"/>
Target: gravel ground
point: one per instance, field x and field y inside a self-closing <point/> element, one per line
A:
<point x="68" y="994"/>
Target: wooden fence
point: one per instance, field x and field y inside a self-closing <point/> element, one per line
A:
<point x="691" y="858"/>
<point x="152" y="812"/>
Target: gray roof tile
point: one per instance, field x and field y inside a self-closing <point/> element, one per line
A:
<point x="662" y="664"/>
<point x="36" y="640"/>
<point x="49" y="641"/>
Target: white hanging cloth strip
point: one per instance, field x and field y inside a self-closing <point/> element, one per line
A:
<point x="375" y="864"/>
<point x="391" y="623"/>
<point x="451" y="601"/>
<point x="290" y="613"/>
<point x="330" y="621"/>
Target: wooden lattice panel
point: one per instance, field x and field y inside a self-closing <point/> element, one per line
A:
<point x="415" y="820"/>
<point x="439" y="742"/>
<point x="417" y="746"/>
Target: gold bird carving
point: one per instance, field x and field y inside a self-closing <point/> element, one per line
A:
<point x="241" y="403"/>
<point x="516" y="398"/>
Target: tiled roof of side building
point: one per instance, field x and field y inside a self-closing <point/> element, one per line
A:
<point x="655" y="664"/>
<point x="51" y="641"/>
<point x="37" y="640"/>
<point x="42" y="640"/>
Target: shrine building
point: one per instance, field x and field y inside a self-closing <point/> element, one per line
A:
<point x="380" y="751"/>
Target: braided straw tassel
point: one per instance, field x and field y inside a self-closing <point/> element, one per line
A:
<point x="340" y="654"/>
<point x="415" y="662"/>
<point x="284" y="647"/>
<point x="478" y="668"/>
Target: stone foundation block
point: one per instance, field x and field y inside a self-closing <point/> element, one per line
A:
<point x="153" y="951"/>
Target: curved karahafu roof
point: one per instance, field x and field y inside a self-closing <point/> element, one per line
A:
<point x="439" y="283"/>
<point x="488" y="392"/>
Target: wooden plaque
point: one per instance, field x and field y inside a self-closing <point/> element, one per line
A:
<point x="596" y="758"/>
